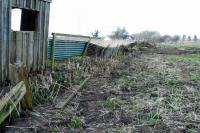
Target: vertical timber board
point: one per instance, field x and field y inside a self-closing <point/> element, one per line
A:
<point x="24" y="47"/>
<point x="36" y="1"/>
<point x="17" y="3"/>
<point x="13" y="52"/>
<point x="34" y="4"/>
<point x="4" y="37"/>
<point x="35" y="50"/>
<point x="14" y="3"/>
<point x="27" y="4"/>
<point x="9" y="34"/>
<point x="18" y="47"/>
<point x="12" y="48"/>
<point x="40" y="48"/>
<point x="21" y="3"/>
<point x="1" y="40"/>
<point x="47" y="31"/>
<point x="37" y="5"/>
<point x="31" y="4"/>
<point x="42" y="10"/>
<point x="44" y="35"/>
<point x="30" y="51"/>
<point x="39" y="37"/>
<point x="24" y="3"/>
<point x="36" y="43"/>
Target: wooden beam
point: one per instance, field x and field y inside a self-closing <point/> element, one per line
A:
<point x="64" y="103"/>
<point x="9" y="102"/>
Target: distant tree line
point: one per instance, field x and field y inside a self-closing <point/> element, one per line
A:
<point x="155" y="37"/>
<point x="148" y="36"/>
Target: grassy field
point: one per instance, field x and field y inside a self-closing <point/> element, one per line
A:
<point x="180" y="45"/>
<point x="188" y="58"/>
<point x="137" y="92"/>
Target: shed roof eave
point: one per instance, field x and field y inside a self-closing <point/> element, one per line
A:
<point x="47" y="0"/>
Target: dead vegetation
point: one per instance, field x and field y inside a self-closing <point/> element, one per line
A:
<point x="132" y="92"/>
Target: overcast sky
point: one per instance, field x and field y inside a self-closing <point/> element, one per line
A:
<point x="166" y="16"/>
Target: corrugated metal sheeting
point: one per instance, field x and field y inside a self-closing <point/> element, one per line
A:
<point x="66" y="48"/>
<point x="62" y="46"/>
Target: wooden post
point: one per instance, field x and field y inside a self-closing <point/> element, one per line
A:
<point x="19" y="73"/>
<point x="53" y="50"/>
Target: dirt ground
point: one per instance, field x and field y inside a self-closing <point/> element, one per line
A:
<point x="136" y="93"/>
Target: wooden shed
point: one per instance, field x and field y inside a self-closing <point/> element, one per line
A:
<point x="29" y="45"/>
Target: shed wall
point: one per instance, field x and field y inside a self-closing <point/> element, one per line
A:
<point x="33" y="43"/>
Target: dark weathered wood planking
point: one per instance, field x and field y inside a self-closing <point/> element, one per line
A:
<point x="23" y="48"/>
<point x="47" y="31"/>
<point x="1" y="39"/>
<point x="28" y="4"/>
<point x="28" y="47"/>
<point x="4" y="37"/>
<point x="94" y="50"/>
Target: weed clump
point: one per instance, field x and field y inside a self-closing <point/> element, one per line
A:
<point x="59" y="76"/>
<point x="76" y="122"/>
<point x="43" y="92"/>
<point x="114" y="103"/>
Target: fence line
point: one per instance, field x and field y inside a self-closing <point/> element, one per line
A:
<point x="63" y="46"/>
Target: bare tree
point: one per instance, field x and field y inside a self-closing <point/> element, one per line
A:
<point x="175" y="38"/>
<point x="184" y="38"/>
<point x="95" y="33"/>
<point x="120" y="33"/>
<point x="189" y="38"/>
<point x="150" y="36"/>
<point x="165" y="38"/>
<point x="195" y="38"/>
